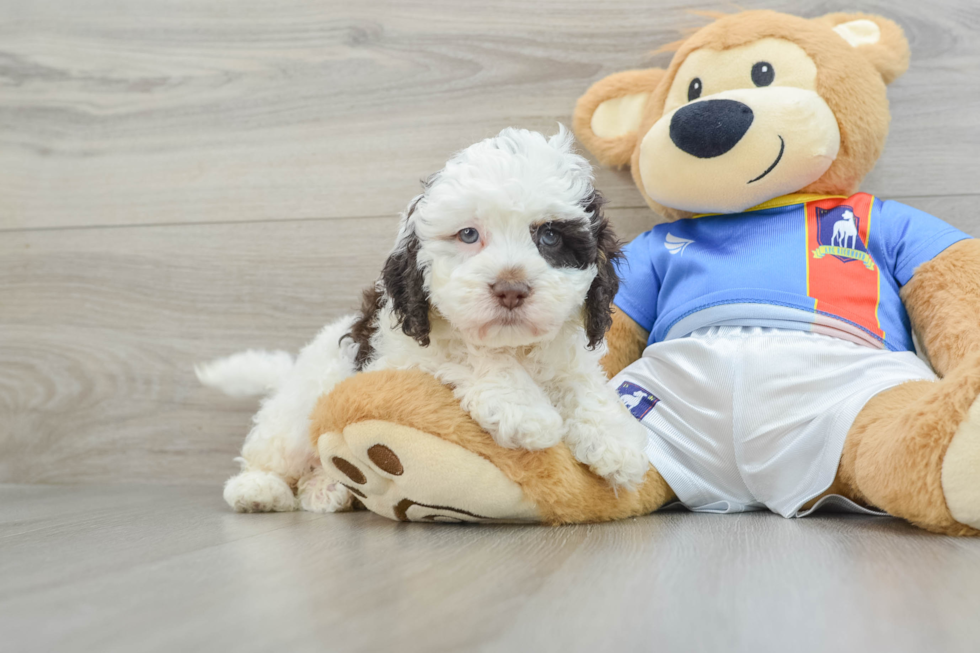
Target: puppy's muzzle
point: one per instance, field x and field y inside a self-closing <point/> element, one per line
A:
<point x="510" y="294"/>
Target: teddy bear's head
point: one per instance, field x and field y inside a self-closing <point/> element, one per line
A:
<point x="753" y="106"/>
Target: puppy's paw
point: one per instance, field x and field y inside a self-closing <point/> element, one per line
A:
<point x="317" y="493"/>
<point x="527" y="427"/>
<point x="622" y="465"/>
<point x="616" y="452"/>
<point x="256" y="491"/>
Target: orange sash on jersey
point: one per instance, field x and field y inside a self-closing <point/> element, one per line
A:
<point x="842" y="277"/>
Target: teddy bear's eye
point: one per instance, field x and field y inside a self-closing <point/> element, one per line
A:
<point x="694" y="89"/>
<point x="763" y="74"/>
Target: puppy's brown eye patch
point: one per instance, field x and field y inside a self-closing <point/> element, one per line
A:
<point x="565" y="244"/>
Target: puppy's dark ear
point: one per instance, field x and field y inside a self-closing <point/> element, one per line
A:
<point x="404" y="283"/>
<point x="598" y="301"/>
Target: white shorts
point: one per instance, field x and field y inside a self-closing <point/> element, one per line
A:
<point x="753" y="418"/>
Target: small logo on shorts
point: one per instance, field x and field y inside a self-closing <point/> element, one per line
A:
<point x="637" y="400"/>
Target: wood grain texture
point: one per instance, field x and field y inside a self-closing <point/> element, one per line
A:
<point x="131" y="112"/>
<point x="102" y="327"/>
<point x="180" y="180"/>
<point x="170" y="569"/>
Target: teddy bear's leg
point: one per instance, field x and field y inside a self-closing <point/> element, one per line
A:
<point x="914" y="451"/>
<point x="400" y="442"/>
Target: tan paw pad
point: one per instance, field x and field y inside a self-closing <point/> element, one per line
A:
<point x="408" y="475"/>
<point x="961" y="470"/>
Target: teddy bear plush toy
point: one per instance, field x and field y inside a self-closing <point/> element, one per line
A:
<point x="763" y="334"/>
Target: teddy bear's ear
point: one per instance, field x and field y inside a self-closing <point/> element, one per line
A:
<point x="878" y="39"/>
<point x="608" y="116"/>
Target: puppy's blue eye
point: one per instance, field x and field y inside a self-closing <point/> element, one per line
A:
<point x="468" y="235"/>
<point x="549" y="236"/>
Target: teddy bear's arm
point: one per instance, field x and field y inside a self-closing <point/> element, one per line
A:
<point x="943" y="301"/>
<point x="626" y="341"/>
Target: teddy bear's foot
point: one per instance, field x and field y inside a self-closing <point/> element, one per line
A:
<point x="318" y="493"/>
<point x="914" y="451"/>
<point x="402" y="445"/>
<point x="259" y="491"/>
<point x="961" y="470"/>
<point x="409" y="475"/>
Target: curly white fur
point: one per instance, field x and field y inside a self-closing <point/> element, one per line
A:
<point x="525" y="373"/>
<point x="246" y="374"/>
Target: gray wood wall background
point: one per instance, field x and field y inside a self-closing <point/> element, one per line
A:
<point x="183" y="179"/>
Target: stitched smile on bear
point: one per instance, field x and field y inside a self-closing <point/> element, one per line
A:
<point x="740" y="126"/>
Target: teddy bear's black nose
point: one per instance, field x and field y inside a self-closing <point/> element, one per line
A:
<point x="710" y="128"/>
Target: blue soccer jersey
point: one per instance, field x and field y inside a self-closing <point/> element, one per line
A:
<point x="828" y="264"/>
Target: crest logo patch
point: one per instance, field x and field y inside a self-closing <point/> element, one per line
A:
<point x="638" y="400"/>
<point x="839" y="235"/>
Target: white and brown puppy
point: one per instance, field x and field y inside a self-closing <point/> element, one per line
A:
<point x="500" y="285"/>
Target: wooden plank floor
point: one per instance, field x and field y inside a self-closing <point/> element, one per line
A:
<point x="181" y="180"/>
<point x="135" y="569"/>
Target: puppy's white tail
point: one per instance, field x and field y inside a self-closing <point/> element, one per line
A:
<point x="246" y="374"/>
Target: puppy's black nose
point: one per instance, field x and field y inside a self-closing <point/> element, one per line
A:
<point x="510" y="294"/>
<point x="710" y="128"/>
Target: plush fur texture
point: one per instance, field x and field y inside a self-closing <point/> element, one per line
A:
<point x="612" y="151"/>
<point x="410" y="475"/>
<point x="959" y="472"/>
<point x="890" y="55"/>
<point x="894" y="452"/>
<point x="943" y="302"/>
<point x="626" y="341"/>
<point x="563" y="489"/>
<point x="898" y="454"/>
<point x="851" y="81"/>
